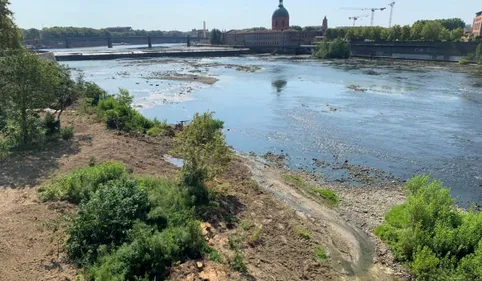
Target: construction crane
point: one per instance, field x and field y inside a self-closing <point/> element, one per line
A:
<point x="357" y="18"/>
<point x="391" y="13"/>
<point x="368" y="9"/>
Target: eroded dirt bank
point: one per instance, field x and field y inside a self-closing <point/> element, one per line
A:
<point x="290" y="223"/>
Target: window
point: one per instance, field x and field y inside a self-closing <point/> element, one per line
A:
<point x="283" y="24"/>
<point x="276" y="24"/>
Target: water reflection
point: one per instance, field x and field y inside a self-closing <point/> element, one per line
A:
<point x="279" y="85"/>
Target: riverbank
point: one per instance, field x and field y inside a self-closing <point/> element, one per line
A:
<point x="283" y="221"/>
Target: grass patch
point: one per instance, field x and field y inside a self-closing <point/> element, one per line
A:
<point x="329" y="195"/>
<point x="82" y="183"/>
<point x="303" y="232"/>
<point x="321" y="254"/>
<point x="246" y="225"/>
<point x="215" y="256"/>
<point x="255" y="237"/>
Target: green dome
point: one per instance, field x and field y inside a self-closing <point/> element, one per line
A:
<point x="281" y="12"/>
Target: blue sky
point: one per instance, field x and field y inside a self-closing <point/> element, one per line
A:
<point x="225" y="14"/>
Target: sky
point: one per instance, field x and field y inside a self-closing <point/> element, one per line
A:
<point x="186" y="15"/>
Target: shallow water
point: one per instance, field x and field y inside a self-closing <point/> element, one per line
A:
<point x="410" y="120"/>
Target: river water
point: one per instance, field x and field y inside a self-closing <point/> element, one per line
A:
<point x="404" y="119"/>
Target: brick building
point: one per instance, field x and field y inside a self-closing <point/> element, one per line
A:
<point x="278" y="37"/>
<point x="477" y="26"/>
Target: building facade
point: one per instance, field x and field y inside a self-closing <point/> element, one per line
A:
<point x="280" y="36"/>
<point x="477" y="26"/>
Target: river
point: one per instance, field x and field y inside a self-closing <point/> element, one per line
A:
<point x="402" y="118"/>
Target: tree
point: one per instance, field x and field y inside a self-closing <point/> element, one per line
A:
<point x="296" y="27"/>
<point x="336" y="49"/>
<point x="405" y="36"/>
<point x="452" y="24"/>
<point x="444" y="34"/>
<point x="396" y="33"/>
<point x="27" y="82"/>
<point x="431" y="31"/>
<point x="9" y="34"/>
<point x="456" y="34"/>
<point x="416" y="31"/>
<point x="308" y="28"/>
<point x="216" y="37"/>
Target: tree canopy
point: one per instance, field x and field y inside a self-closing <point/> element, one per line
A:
<point x="9" y="34"/>
<point x="435" y="30"/>
<point x="216" y="37"/>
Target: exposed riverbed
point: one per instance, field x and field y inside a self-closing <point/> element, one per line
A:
<point x="401" y="118"/>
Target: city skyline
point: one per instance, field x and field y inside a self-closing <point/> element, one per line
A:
<point x="185" y="15"/>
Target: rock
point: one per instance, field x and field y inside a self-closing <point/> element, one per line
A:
<point x="199" y="265"/>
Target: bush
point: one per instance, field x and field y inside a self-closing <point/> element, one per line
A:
<point x="128" y="228"/>
<point x="80" y="184"/>
<point x="67" y="133"/>
<point x="320" y="254"/>
<point x="336" y="49"/>
<point x="149" y="253"/>
<point x="159" y="129"/>
<point x="52" y="125"/>
<point x="106" y="218"/>
<point x="436" y="240"/>
<point x="464" y="61"/>
<point x="93" y="93"/>
<point x="120" y="116"/>
<point x="202" y="147"/>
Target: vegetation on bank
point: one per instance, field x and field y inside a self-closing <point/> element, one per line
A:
<point x="423" y="30"/>
<point x="473" y="57"/>
<point x="29" y="84"/>
<point x="134" y="228"/>
<point x="435" y="239"/>
<point x="336" y="49"/>
<point x="329" y="196"/>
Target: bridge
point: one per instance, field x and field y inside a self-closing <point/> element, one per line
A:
<point x="72" y="42"/>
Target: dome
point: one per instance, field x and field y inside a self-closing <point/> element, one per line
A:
<point x="281" y="12"/>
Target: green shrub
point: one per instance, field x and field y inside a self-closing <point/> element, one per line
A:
<point x="202" y="147"/>
<point x="320" y="254"/>
<point x="336" y="49"/>
<point x="159" y="129"/>
<point x="464" y="61"/>
<point x="128" y="228"/>
<point x="52" y="125"/>
<point x="237" y="261"/>
<point x="120" y="116"/>
<point x="93" y="93"/>
<point x="67" y="133"/>
<point x="81" y="183"/>
<point x="478" y="54"/>
<point x="436" y="240"/>
<point x="329" y="195"/>
<point x="106" y="218"/>
<point x="303" y="232"/>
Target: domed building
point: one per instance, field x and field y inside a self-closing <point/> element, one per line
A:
<point x="281" y="18"/>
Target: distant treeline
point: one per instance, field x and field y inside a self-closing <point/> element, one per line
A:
<point x="62" y="32"/>
<point x="423" y="30"/>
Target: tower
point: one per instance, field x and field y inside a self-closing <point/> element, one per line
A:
<point x="324" y="27"/>
<point x="281" y="18"/>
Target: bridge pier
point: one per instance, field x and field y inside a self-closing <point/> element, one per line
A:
<point x="67" y="43"/>
<point x="109" y="43"/>
<point x="149" y="42"/>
